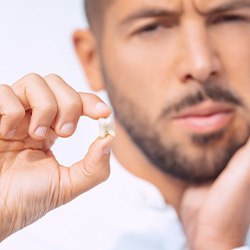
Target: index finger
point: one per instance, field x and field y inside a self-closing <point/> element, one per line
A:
<point x="94" y="107"/>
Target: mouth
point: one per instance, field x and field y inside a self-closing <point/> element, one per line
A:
<point x="208" y="117"/>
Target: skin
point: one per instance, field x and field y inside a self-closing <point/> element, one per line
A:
<point x="189" y="55"/>
<point x="196" y="48"/>
<point x="32" y="182"/>
<point x="170" y="87"/>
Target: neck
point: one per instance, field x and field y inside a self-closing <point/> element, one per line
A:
<point x="138" y="164"/>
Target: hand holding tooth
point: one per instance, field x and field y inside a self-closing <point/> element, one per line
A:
<point x="34" y="112"/>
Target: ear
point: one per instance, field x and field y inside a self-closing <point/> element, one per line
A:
<point x="86" y="49"/>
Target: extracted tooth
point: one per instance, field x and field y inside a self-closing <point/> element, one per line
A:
<point x="106" y="126"/>
<point x="111" y="132"/>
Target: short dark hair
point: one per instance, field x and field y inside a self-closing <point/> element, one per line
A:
<point x="95" y="12"/>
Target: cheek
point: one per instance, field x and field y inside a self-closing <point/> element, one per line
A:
<point x="239" y="76"/>
<point x="234" y="54"/>
<point x="143" y="75"/>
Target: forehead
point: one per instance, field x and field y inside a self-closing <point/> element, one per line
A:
<point x="125" y="6"/>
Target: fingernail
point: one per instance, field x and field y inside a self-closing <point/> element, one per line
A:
<point x="11" y="134"/>
<point x="102" y="107"/>
<point x="67" y="128"/>
<point x="41" y="131"/>
<point x="107" y="148"/>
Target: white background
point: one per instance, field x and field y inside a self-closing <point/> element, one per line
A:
<point x="36" y="36"/>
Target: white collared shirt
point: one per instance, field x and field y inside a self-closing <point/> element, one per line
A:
<point x="124" y="213"/>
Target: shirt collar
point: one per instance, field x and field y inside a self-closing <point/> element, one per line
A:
<point x="134" y="188"/>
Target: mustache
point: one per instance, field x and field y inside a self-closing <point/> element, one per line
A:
<point x="209" y="92"/>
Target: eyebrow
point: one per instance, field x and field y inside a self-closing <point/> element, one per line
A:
<point x="160" y="12"/>
<point x="147" y="13"/>
<point x="234" y="5"/>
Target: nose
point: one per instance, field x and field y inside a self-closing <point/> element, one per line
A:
<point x="199" y="60"/>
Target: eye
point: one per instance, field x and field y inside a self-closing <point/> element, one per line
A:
<point x="229" y="18"/>
<point x="150" y="28"/>
<point x="157" y="27"/>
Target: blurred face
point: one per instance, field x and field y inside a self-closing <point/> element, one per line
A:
<point x="178" y="76"/>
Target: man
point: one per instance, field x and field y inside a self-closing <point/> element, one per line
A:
<point x="177" y="74"/>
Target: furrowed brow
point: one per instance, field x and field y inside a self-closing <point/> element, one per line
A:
<point x="147" y="13"/>
<point x="233" y="5"/>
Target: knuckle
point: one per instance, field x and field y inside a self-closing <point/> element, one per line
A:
<point x="27" y="81"/>
<point x="96" y="173"/>
<point x="17" y="113"/>
<point x="105" y="175"/>
<point x="72" y="106"/>
<point x="4" y="87"/>
<point x="53" y="77"/>
<point x="93" y="96"/>
<point x="49" y="108"/>
<point x="33" y="76"/>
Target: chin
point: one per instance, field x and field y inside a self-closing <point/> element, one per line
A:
<point x="209" y="154"/>
<point x="197" y="158"/>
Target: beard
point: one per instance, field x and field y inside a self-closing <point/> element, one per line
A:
<point x="212" y="151"/>
<point x="172" y="159"/>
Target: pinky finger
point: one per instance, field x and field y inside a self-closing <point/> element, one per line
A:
<point x="11" y="111"/>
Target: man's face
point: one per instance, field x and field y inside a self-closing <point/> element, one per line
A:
<point x="178" y="76"/>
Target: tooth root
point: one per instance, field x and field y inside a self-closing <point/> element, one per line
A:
<point x="111" y="132"/>
<point x="103" y="133"/>
<point x="106" y="127"/>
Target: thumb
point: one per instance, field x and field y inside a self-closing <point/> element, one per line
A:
<point x="89" y="172"/>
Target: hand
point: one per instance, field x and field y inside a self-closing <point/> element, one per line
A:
<point x="217" y="215"/>
<point x="34" y="112"/>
